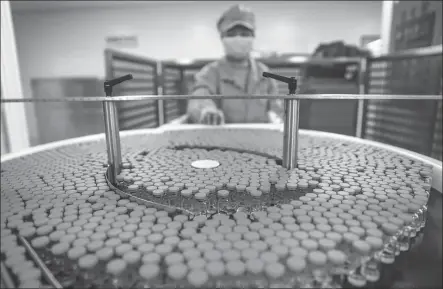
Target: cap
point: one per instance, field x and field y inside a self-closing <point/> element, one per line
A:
<point x="236" y="15"/>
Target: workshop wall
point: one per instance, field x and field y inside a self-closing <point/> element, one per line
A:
<point x="70" y="43"/>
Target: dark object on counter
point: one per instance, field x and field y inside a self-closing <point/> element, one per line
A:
<point x="340" y="70"/>
<point x="339" y="49"/>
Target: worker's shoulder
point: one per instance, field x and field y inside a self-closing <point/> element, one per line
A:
<point x="209" y="69"/>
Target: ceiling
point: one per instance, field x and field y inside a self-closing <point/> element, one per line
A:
<point x="59" y="5"/>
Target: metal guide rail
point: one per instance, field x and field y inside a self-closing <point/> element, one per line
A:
<point x="188" y="97"/>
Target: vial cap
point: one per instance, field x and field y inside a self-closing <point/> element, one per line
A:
<point x="132" y="257"/>
<point x="336" y="257"/>
<point x="197" y="277"/>
<point x="197" y="263"/>
<point x="212" y="255"/>
<point x="350" y="237"/>
<point x="95" y="245"/>
<point x="60" y="248"/>
<point x="223" y="193"/>
<point x="326" y="244"/>
<point x="296" y="264"/>
<point x="375" y="242"/>
<point x="76" y="252"/>
<point x="390" y="228"/>
<point x="233" y="237"/>
<point x="146" y="248"/>
<point x="255" y="266"/>
<point x="155" y="238"/>
<point x="274" y="270"/>
<point x="235" y="268"/>
<point x="230" y="255"/>
<point x="149" y="271"/>
<point x="205" y="246"/>
<point x="104" y="254"/>
<point x="317" y="258"/>
<point x="357" y="231"/>
<point x="87" y="261"/>
<point x="177" y="271"/>
<point x="361" y="247"/>
<point x="151" y="258"/>
<point x="309" y="244"/>
<point x="40" y="242"/>
<point x="300" y="235"/>
<point x="137" y="241"/>
<point x="174" y="258"/>
<point x="80" y="242"/>
<point x="215" y="268"/>
<point x="163" y="249"/>
<point x="249" y="253"/>
<point x="191" y="253"/>
<point x="269" y="257"/>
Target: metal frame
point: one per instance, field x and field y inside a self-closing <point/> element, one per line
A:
<point x="112" y="55"/>
<point x="418" y="53"/>
<point x="165" y="67"/>
<point x="386" y="25"/>
<point x="362" y="89"/>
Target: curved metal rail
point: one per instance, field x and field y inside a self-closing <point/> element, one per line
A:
<point x="143" y="201"/>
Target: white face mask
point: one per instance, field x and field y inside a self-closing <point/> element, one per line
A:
<point x="238" y="47"/>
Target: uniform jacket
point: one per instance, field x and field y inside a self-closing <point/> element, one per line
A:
<point x="220" y="77"/>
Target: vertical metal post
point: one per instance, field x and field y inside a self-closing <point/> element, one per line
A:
<point x="112" y="140"/>
<point x="115" y="127"/>
<point x="362" y="77"/>
<point x="158" y="78"/>
<point x="112" y="129"/>
<point x="290" y="133"/>
<point x="15" y="114"/>
<point x="290" y="129"/>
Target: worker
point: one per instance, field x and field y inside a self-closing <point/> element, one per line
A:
<point x="235" y="74"/>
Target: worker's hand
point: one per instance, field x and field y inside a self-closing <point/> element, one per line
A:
<point x="212" y="116"/>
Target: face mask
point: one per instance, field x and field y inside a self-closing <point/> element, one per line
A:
<point x="238" y="47"/>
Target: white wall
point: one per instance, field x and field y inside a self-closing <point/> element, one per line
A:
<point x="70" y="43"/>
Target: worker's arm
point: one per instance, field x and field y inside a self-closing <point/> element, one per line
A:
<point x="276" y="108"/>
<point x="204" y="110"/>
